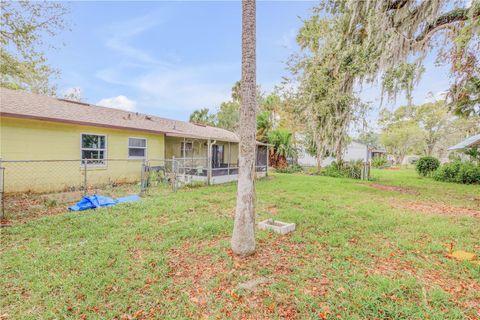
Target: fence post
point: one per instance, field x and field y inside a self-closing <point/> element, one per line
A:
<point x="267" y="155"/>
<point x="143" y="182"/>
<point x="85" y="181"/>
<point x="174" y="171"/>
<point x="2" y="186"/>
<point x="209" y="162"/>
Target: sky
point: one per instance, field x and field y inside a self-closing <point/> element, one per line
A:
<point x="170" y="58"/>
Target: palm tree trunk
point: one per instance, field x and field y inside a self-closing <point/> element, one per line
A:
<point x="243" y="238"/>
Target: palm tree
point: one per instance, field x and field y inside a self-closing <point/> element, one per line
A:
<point x="281" y="139"/>
<point x="264" y="125"/>
<point x="243" y="238"/>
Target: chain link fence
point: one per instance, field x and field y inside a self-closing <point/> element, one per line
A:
<point x="32" y="188"/>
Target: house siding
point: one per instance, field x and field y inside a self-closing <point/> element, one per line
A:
<point x="24" y="139"/>
<point x="354" y="151"/>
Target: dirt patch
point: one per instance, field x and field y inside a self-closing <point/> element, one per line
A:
<point x="436" y="208"/>
<point x="27" y="206"/>
<point x="272" y="210"/>
<point x="393" y="188"/>
<point x="62" y="197"/>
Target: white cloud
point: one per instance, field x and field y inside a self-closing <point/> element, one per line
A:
<point x="118" y="102"/>
<point x="186" y="88"/>
<point x="123" y="33"/>
<point x="157" y="79"/>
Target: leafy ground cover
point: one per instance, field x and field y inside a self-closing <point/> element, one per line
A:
<point x="361" y="250"/>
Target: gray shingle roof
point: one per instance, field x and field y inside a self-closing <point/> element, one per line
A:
<point x="22" y="104"/>
<point x="470" y="141"/>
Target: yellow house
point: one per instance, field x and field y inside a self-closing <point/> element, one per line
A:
<point x="49" y="144"/>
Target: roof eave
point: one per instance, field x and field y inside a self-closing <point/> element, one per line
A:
<point x="82" y="123"/>
<point x="192" y="136"/>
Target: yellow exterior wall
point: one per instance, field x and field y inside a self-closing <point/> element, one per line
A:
<point x="23" y="139"/>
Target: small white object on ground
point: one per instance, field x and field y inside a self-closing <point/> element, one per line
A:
<point x="277" y="226"/>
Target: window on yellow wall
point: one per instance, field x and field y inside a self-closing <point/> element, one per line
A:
<point x="137" y="148"/>
<point x="93" y="148"/>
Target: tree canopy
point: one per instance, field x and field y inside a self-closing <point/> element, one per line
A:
<point x="203" y="116"/>
<point x="23" y="27"/>
<point x="427" y="129"/>
<point x="393" y="37"/>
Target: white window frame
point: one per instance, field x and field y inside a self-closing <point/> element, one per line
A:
<point x="99" y="164"/>
<point x="145" y="148"/>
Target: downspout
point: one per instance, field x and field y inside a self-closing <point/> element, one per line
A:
<point x="209" y="160"/>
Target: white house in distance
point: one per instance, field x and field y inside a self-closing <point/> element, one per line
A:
<point x="354" y="151"/>
<point x="470" y="142"/>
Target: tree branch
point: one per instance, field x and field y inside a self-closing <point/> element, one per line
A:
<point x="397" y="4"/>
<point x="445" y="19"/>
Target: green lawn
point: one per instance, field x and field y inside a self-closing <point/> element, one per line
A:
<point x="359" y="252"/>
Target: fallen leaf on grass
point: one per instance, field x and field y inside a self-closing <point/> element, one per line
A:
<point x="234" y="295"/>
<point x="462" y="255"/>
<point x="341" y="290"/>
<point x="324" y="314"/>
<point x="138" y="314"/>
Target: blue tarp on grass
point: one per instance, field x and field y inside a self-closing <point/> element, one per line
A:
<point x="98" y="201"/>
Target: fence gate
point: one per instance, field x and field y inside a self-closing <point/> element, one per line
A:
<point x="156" y="173"/>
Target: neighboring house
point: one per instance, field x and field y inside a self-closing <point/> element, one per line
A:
<point x="354" y="151"/>
<point x="377" y="152"/>
<point x="470" y="142"/>
<point x="38" y="127"/>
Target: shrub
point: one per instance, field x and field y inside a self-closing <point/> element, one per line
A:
<point x="290" y="169"/>
<point x="333" y="170"/>
<point x="379" y="162"/>
<point x="448" y="172"/>
<point x="469" y="173"/>
<point x="425" y="166"/>
<point x="459" y="172"/>
<point x="351" y="169"/>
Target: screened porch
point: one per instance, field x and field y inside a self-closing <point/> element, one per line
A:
<point x="210" y="161"/>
